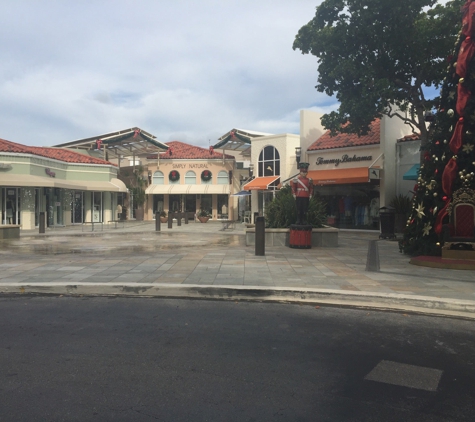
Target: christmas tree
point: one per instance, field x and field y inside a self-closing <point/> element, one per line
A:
<point x="448" y="161"/>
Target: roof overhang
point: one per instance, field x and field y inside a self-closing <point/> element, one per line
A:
<point x="238" y="139"/>
<point x="124" y="143"/>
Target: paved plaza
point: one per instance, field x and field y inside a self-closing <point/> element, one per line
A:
<point x="135" y="258"/>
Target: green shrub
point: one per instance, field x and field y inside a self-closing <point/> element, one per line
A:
<point x="281" y="212"/>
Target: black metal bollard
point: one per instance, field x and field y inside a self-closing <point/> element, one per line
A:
<point x="372" y="261"/>
<point x="260" y="236"/>
<point x="170" y="220"/>
<point x="157" y="222"/>
<point x="42" y="222"/>
<point x="178" y="218"/>
<point x="186" y="217"/>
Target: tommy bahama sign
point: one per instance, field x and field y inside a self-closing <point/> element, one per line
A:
<point x="344" y="159"/>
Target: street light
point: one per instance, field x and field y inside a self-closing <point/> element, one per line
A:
<point x="251" y="169"/>
<point x="298" y="152"/>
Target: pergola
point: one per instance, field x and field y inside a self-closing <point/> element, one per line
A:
<point x="133" y="142"/>
<point x="238" y="140"/>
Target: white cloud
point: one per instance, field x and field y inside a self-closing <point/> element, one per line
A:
<point x="181" y="70"/>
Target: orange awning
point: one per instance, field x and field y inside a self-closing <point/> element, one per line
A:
<point x="339" y="176"/>
<point x="260" y="183"/>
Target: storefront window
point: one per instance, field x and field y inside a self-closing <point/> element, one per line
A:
<point x="97" y="207"/>
<point x="77" y="207"/>
<point x="11" y="205"/>
<point x="190" y="203"/>
<point x="269" y="162"/>
<point x="37" y="207"/>
<point x="223" y="206"/>
<point x="223" y="178"/>
<point x="157" y="203"/>
<point x="53" y="207"/>
<point x="207" y="203"/>
<point x="175" y="203"/>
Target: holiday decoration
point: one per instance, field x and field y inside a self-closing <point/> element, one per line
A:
<point x="206" y="175"/>
<point x="174" y="176"/>
<point x="449" y="158"/>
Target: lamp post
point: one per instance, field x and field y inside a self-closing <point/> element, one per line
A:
<point x="251" y="169"/>
<point x="298" y="152"/>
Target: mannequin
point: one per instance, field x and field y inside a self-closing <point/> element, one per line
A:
<point x="302" y="190"/>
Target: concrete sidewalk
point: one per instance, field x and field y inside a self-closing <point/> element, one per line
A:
<point x="200" y="260"/>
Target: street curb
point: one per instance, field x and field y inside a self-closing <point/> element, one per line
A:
<point x="381" y="301"/>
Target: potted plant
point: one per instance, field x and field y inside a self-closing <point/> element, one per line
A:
<point x="402" y="208"/>
<point x="203" y="215"/>
<point x="163" y="217"/>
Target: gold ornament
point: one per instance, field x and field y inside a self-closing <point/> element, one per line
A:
<point x="467" y="148"/>
<point x="426" y="229"/>
<point x="450" y="113"/>
<point x="461" y="80"/>
<point x="420" y="210"/>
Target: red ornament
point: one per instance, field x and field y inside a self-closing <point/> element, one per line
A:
<point x="444" y="198"/>
<point x="437" y="142"/>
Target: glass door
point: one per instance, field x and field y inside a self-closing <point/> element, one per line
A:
<point x="11" y="207"/>
<point x="77" y="207"/>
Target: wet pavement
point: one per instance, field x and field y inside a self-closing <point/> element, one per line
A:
<point x="203" y="255"/>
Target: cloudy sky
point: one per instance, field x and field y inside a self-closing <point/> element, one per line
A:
<point x="181" y="70"/>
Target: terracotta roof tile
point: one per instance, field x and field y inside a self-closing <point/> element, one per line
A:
<point x="61" y="154"/>
<point x="342" y="140"/>
<point x="180" y="151"/>
<point x="411" y="137"/>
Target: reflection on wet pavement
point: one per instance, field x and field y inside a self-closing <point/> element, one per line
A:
<point x="106" y="244"/>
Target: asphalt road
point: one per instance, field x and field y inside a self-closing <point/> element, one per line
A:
<point x="119" y="359"/>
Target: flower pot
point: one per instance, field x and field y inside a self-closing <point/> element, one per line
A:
<point x="203" y="219"/>
<point x="139" y="214"/>
<point x="163" y="219"/>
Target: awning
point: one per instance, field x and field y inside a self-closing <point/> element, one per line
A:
<point x="218" y="189"/>
<point x="242" y="193"/>
<point x="412" y="173"/>
<point x="157" y="189"/>
<point x="115" y="185"/>
<point x="179" y="189"/>
<point x="339" y="176"/>
<point x="26" y="180"/>
<point x="261" y="183"/>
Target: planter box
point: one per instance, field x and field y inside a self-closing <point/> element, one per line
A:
<point x="9" y="231"/>
<point x="326" y="237"/>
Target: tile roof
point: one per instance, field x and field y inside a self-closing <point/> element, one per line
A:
<point x="342" y="140"/>
<point x="61" y="154"/>
<point x="180" y="151"/>
<point x="411" y="137"/>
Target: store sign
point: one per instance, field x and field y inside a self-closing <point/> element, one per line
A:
<point x="344" y="159"/>
<point x="190" y="166"/>
<point x="50" y="173"/>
